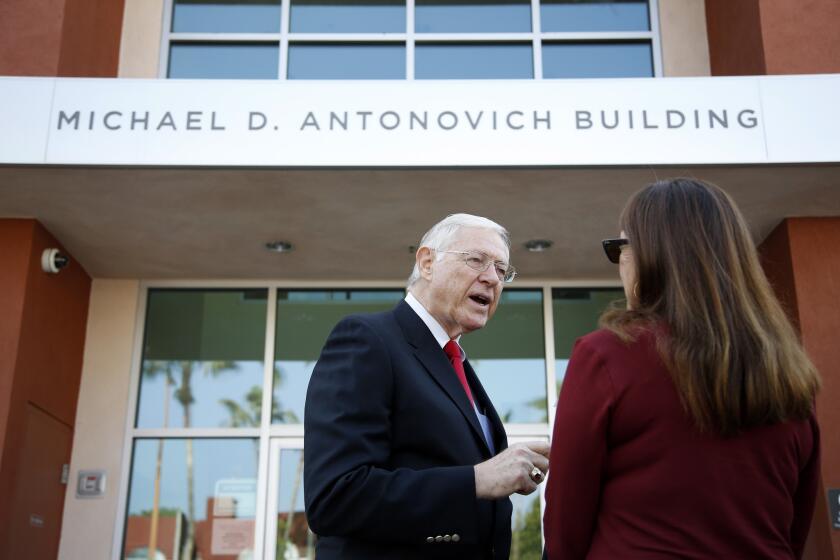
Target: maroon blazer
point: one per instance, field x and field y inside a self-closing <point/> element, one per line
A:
<point x="631" y="477"/>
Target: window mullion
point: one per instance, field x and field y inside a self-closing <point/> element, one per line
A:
<point x="550" y="354"/>
<point x="536" y="28"/>
<point x="265" y="422"/>
<point x="656" y="44"/>
<point x="410" y="42"/>
<point x="163" y="59"/>
<point x="285" y="25"/>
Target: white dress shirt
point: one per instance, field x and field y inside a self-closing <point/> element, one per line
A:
<point x="442" y="338"/>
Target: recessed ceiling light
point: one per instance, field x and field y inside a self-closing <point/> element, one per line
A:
<point x="279" y="246"/>
<point x="538" y="245"/>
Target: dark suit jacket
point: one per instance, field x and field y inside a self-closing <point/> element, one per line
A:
<point x="391" y="441"/>
<point x="632" y="478"/>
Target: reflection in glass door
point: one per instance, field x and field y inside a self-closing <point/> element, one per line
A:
<point x="215" y="452"/>
<point x="526" y="522"/>
<point x="288" y="536"/>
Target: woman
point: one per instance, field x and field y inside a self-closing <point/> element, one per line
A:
<point x="685" y="427"/>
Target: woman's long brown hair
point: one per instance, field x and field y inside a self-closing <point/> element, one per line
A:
<point x="734" y="357"/>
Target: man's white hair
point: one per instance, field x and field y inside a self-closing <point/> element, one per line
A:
<point x="444" y="233"/>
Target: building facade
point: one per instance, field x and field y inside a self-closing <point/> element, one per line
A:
<point x="230" y="178"/>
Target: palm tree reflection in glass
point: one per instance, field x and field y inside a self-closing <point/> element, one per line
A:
<point x="184" y="396"/>
<point x="250" y="416"/>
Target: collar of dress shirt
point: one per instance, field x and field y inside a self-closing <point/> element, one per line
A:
<point x="437" y="330"/>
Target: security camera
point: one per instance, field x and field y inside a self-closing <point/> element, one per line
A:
<point x="53" y="261"/>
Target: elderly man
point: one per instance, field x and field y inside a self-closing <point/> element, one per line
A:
<point x="405" y="456"/>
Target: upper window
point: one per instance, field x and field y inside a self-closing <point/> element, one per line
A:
<point x="304" y="321"/>
<point x="226" y="16"/>
<point x="421" y="39"/>
<point x="203" y="356"/>
<point x="508" y="355"/>
<point x="575" y="312"/>
<point x="337" y="16"/>
<point x="472" y="16"/>
<point x="595" y="15"/>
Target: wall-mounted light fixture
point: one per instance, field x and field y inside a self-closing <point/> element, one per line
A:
<point x="538" y="245"/>
<point x="279" y="246"/>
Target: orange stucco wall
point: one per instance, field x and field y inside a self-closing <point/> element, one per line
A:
<point x="41" y="343"/>
<point x="801" y="37"/>
<point x="30" y="37"/>
<point x="735" y="43"/>
<point x="750" y="37"/>
<point x="801" y="260"/>
<point x="60" y="37"/>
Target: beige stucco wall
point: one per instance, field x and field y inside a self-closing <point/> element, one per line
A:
<point x="685" y="44"/>
<point x="141" y="38"/>
<point x="88" y="525"/>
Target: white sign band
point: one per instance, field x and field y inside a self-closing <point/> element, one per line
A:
<point x="749" y="120"/>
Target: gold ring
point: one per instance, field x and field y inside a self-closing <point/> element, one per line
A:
<point x="536" y="475"/>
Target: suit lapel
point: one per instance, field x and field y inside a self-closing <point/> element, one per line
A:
<point x="434" y="360"/>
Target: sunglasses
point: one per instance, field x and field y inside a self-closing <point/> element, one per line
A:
<point x="612" y="247"/>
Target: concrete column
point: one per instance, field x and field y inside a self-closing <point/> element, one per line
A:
<point x="101" y="418"/>
<point x="685" y="47"/>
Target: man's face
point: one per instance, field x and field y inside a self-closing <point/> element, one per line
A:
<point x="460" y="298"/>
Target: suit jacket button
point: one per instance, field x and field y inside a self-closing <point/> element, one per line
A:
<point x="439" y="538"/>
<point x="447" y="538"/>
<point x="430" y="539"/>
<point x="456" y="537"/>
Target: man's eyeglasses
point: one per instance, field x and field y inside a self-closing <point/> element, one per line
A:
<point x="612" y="247"/>
<point x="480" y="262"/>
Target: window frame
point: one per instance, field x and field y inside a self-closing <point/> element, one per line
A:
<point x="410" y="38"/>
<point x="290" y="434"/>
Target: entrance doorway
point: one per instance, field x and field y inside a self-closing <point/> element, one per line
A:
<point x="287" y="533"/>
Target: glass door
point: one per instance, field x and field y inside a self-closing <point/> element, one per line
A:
<point x="287" y="531"/>
<point x="526" y="522"/>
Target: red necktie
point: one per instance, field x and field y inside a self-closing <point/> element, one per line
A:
<point x="453" y="351"/>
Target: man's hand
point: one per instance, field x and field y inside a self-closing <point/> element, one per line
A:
<point x="510" y="471"/>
